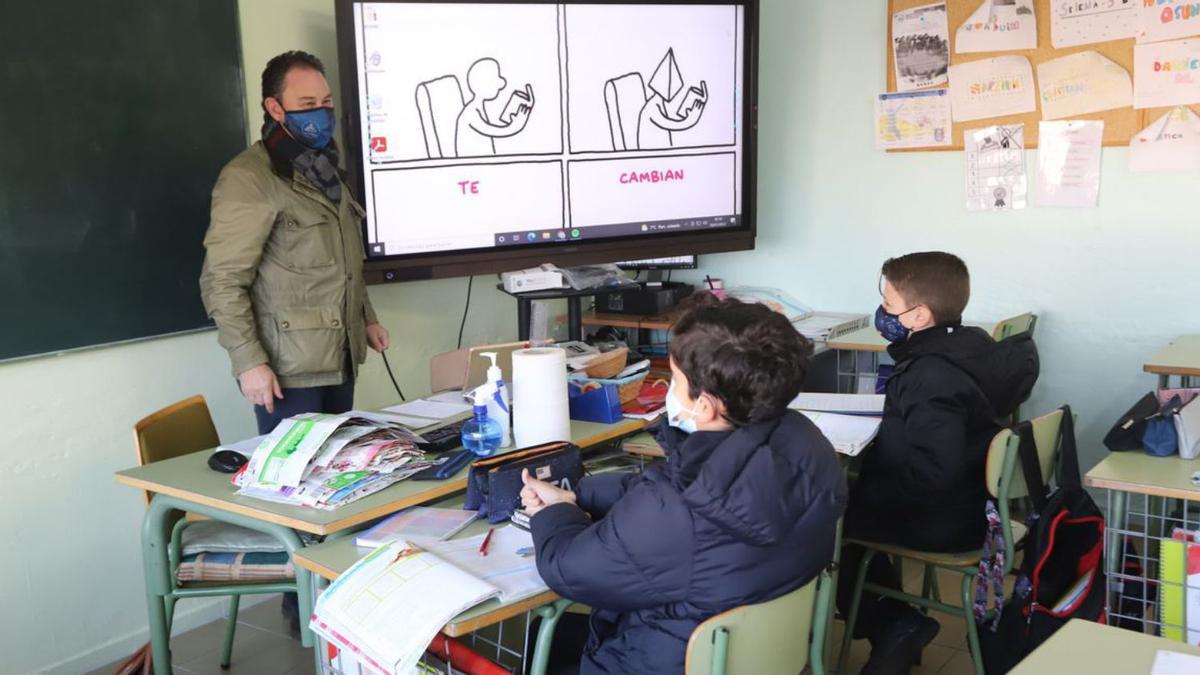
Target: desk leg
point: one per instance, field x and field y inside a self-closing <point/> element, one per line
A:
<point x="1164" y="381"/>
<point x="1115" y="545"/>
<point x="550" y="615"/>
<point x="524" y="311"/>
<point x="156" y="571"/>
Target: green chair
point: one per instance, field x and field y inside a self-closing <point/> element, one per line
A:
<point x="770" y="637"/>
<point x="1014" y="325"/>
<point x="176" y="430"/>
<point x="1005" y="483"/>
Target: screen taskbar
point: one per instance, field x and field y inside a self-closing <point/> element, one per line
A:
<point x="527" y="237"/>
<point x="555" y="235"/>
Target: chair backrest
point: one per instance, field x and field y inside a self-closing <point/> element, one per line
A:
<point x="439" y="103"/>
<point x="1014" y="325"/>
<point x="624" y="97"/>
<point x="178" y="429"/>
<point x="1004" y="477"/>
<point x="770" y="637"/>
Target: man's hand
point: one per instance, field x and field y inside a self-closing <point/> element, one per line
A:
<point x="377" y="337"/>
<point x="537" y="495"/>
<point x="261" y="387"/>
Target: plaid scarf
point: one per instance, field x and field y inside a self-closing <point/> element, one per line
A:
<point x="288" y="155"/>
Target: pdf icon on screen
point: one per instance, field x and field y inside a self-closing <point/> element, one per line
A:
<point x="379" y="144"/>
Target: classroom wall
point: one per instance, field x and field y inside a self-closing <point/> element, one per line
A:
<point x="1112" y="285"/>
<point x="71" y="558"/>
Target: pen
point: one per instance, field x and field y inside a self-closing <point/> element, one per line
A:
<point x="486" y="540"/>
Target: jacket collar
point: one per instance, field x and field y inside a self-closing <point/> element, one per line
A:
<point x="923" y="342"/>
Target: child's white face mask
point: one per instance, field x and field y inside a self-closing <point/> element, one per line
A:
<point x="675" y="409"/>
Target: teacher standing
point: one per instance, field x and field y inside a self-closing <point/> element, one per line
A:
<point x="282" y="274"/>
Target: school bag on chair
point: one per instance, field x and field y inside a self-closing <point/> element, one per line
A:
<point x="1062" y="574"/>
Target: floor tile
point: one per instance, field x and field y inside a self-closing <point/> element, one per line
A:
<point x="959" y="664"/>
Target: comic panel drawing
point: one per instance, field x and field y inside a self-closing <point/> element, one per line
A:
<point x="461" y="81"/>
<point x="672" y="84"/>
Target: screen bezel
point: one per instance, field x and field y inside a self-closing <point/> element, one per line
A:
<point x="441" y="264"/>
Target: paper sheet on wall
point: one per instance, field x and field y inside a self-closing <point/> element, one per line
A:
<point x="1068" y="163"/>
<point x="991" y="88"/>
<point x="995" y="159"/>
<point x="1166" y="74"/>
<point x="998" y="26"/>
<point x="1082" y="83"/>
<point x="915" y="119"/>
<point x="1171" y="143"/>
<point x="1160" y="20"/>
<point x="921" y="46"/>
<point x="1091" y="21"/>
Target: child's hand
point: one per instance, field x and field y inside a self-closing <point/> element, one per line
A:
<point x="537" y="495"/>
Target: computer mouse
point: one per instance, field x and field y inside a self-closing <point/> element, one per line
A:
<point x="226" y="461"/>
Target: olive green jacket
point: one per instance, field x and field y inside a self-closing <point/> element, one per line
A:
<point x="282" y="274"/>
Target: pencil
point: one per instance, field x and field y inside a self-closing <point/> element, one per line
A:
<point x="483" y="548"/>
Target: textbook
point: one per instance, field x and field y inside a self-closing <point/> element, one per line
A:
<point x="384" y="611"/>
<point x="843" y="404"/>
<point x="848" y="434"/>
<point x="420" y="523"/>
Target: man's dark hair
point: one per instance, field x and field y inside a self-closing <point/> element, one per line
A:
<point x="938" y="280"/>
<point x="749" y="357"/>
<point x="278" y="68"/>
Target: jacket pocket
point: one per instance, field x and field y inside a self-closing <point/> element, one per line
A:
<point x="309" y="341"/>
<point x="307" y="240"/>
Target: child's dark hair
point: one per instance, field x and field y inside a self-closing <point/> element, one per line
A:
<point x="938" y="280"/>
<point x="745" y="354"/>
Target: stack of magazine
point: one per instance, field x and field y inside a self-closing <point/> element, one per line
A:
<point x="325" y="461"/>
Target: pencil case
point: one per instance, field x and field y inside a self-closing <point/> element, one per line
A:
<point x="494" y="484"/>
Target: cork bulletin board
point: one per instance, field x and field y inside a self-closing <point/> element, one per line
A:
<point x="1120" y="125"/>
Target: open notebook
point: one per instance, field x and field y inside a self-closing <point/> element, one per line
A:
<point x="387" y="607"/>
<point x="849" y="421"/>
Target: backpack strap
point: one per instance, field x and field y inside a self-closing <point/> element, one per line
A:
<point x="1068" y="467"/>
<point x="1031" y="465"/>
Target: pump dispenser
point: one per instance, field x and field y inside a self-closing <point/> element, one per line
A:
<point x="498" y="408"/>
<point x="481" y="435"/>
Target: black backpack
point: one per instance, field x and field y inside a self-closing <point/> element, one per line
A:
<point x="1064" y="545"/>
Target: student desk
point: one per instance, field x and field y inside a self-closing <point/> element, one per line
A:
<point x="1096" y="649"/>
<point x="1181" y="358"/>
<point x="1126" y="474"/>
<point x="187" y="484"/>
<point x="329" y="560"/>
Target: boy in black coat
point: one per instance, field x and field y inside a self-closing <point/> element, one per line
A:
<point x="744" y="510"/>
<point x="922" y="483"/>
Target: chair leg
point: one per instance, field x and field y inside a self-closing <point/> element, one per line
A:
<point x="848" y="637"/>
<point x="230" y="627"/>
<point x="968" y="600"/>
<point x="169" y="603"/>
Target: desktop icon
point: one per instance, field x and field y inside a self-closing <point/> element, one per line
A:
<point x="501" y="239"/>
<point x="645" y="228"/>
<point x="562" y="234"/>
<point x="532" y="236"/>
<point x="575" y="233"/>
<point x="379" y="144"/>
<point x="545" y="235"/>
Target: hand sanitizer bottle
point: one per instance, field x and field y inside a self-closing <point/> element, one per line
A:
<point x="498" y="402"/>
<point x="481" y="435"/>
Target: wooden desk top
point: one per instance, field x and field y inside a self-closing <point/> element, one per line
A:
<point x="1095" y="649"/>
<point x="189" y="478"/>
<point x="869" y="340"/>
<point x="657" y="322"/>
<point x="1181" y="357"/>
<point x="332" y="558"/>
<point x="1140" y="473"/>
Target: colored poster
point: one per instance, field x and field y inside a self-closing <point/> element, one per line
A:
<point x="1166" y="74"/>
<point x="1084" y="82"/>
<point x="998" y="26"/>
<point x="995" y="158"/>
<point x="915" y="119"/>
<point x="921" y="46"/>
<point x="1160" y="20"/>
<point x="1085" y="22"/>
<point x="992" y="88"/>
<point x="1171" y="143"/>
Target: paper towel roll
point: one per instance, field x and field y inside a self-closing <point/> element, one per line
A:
<point x="540" y="408"/>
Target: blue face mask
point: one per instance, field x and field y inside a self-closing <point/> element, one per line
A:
<point x="313" y="127"/>
<point x="889" y="325"/>
<point x="674" y="408"/>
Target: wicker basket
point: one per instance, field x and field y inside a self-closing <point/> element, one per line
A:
<point x="627" y="387"/>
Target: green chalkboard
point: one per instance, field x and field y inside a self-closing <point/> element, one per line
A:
<point x="115" y="119"/>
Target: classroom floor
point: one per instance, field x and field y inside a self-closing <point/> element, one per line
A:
<point x="263" y="647"/>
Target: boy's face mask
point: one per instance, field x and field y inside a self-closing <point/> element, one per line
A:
<point x="675" y="409"/>
<point x="889" y="325"/>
